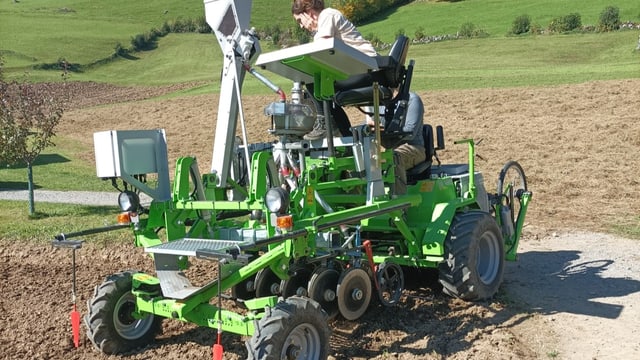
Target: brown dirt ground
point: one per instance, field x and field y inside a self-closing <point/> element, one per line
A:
<point x="579" y="147"/>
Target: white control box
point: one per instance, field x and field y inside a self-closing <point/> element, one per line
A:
<point x="125" y="154"/>
<point x="129" y="152"/>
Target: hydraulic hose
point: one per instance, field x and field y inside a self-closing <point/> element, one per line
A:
<point x="264" y="80"/>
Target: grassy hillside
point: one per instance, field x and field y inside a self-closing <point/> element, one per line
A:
<point x="494" y="16"/>
<point x="82" y="31"/>
<point x="533" y="60"/>
<point x="85" y="31"/>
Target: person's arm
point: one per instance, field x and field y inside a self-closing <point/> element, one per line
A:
<point x="414" y="115"/>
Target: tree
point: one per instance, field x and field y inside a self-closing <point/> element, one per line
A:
<point x="29" y="114"/>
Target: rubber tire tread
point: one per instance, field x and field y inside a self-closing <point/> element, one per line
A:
<point x="102" y="333"/>
<point x="273" y="329"/>
<point x="457" y="272"/>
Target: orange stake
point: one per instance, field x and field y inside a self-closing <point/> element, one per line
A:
<point x="75" y="315"/>
<point x="75" y="326"/>
<point x="217" y="347"/>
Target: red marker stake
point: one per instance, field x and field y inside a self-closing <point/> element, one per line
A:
<point x="217" y="348"/>
<point x="75" y="315"/>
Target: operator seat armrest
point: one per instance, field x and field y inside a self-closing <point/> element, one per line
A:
<point x="391" y="74"/>
<point x="362" y="96"/>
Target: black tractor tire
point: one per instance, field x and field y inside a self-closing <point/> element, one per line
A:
<point x="109" y="323"/>
<point x="473" y="264"/>
<point x="295" y="328"/>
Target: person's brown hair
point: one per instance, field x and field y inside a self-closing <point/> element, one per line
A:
<point x="301" y="6"/>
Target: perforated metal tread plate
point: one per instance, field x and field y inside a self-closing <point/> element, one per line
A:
<point x="189" y="246"/>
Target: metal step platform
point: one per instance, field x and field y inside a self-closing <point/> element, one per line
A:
<point x="173" y="281"/>
<point x="190" y="246"/>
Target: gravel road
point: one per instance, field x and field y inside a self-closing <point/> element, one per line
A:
<point x="586" y="287"/>
<point x="104" y="198"/>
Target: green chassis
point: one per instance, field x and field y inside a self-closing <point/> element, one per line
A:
<point x="420" y="220"/>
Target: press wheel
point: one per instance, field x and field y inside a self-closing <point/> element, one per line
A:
<point x="390" y="283"/>
<point x="354" y="293"/>
<point x="322" y="288"/>
<point x="512" y="183"/>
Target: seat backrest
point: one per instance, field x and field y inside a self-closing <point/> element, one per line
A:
<point x="392" y="65"/>
<point x="391" y="73"/>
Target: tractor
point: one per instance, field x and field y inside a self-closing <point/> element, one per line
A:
<point x="297" y="232"/>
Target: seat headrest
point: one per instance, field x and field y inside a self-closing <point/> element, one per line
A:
<point x="399" y="50"/>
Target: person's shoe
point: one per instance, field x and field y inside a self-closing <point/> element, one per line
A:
<point x="319" y="130"/>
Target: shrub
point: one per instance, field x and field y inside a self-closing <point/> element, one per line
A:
<point x="420" y="34"/>
<point x="119" y="50"/>
<point x="375" y="40"/>
<point x="165" y="28"/>
<point x="360" y="10"/>
<point x="609" y="19"/>
<point x="301" y="35"/>
<point x="275" y="33"/>
<point x="521" y="25"/>
<point x="565" y="23"/>
<point x="466" y="30"/>
<point x="202" y="27"/>
<point x="536" y="28"/>
<point x="142" y="42"/>
<point x="470" y="30"/>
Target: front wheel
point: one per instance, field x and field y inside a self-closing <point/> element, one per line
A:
<point x="295" y="328"/>
<point x="474" y="257"/>
<point x="111" y="325"/>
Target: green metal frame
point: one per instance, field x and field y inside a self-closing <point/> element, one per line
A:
<point x="418" y="221"/>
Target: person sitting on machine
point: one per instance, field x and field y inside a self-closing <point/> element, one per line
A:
<point x="323" y="22"/>
<point x="411" y="151"/>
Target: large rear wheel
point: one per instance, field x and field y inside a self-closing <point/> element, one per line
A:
<point x="474" y="257"/>
<point x="111" y="325"/>
<point x="295" y="328"/>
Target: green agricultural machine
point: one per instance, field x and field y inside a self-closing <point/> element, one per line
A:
<point x="297" y="231"/>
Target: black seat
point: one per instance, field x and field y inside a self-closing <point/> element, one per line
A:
<point x="358" y="89"/>
<point x="393" y="64"/>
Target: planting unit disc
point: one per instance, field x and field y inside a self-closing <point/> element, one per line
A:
<point x="245" y="290"/>
<point x="297" y="283"/>
<point x="322" y="288"/>
<point x="354" y="293"/>
<point x="267" y="283"/>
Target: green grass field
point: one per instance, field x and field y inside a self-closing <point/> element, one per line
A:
<point x="494" y="16"/>
<point x="84" y="31"/>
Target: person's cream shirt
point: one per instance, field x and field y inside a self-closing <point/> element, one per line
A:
<point x="331" y="23"/>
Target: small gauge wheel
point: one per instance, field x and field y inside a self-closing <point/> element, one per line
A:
<point x="390" y="283"/>
<point x="354" y="293"/>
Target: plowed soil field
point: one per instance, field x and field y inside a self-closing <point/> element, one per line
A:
<point x="573" y="293"/>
